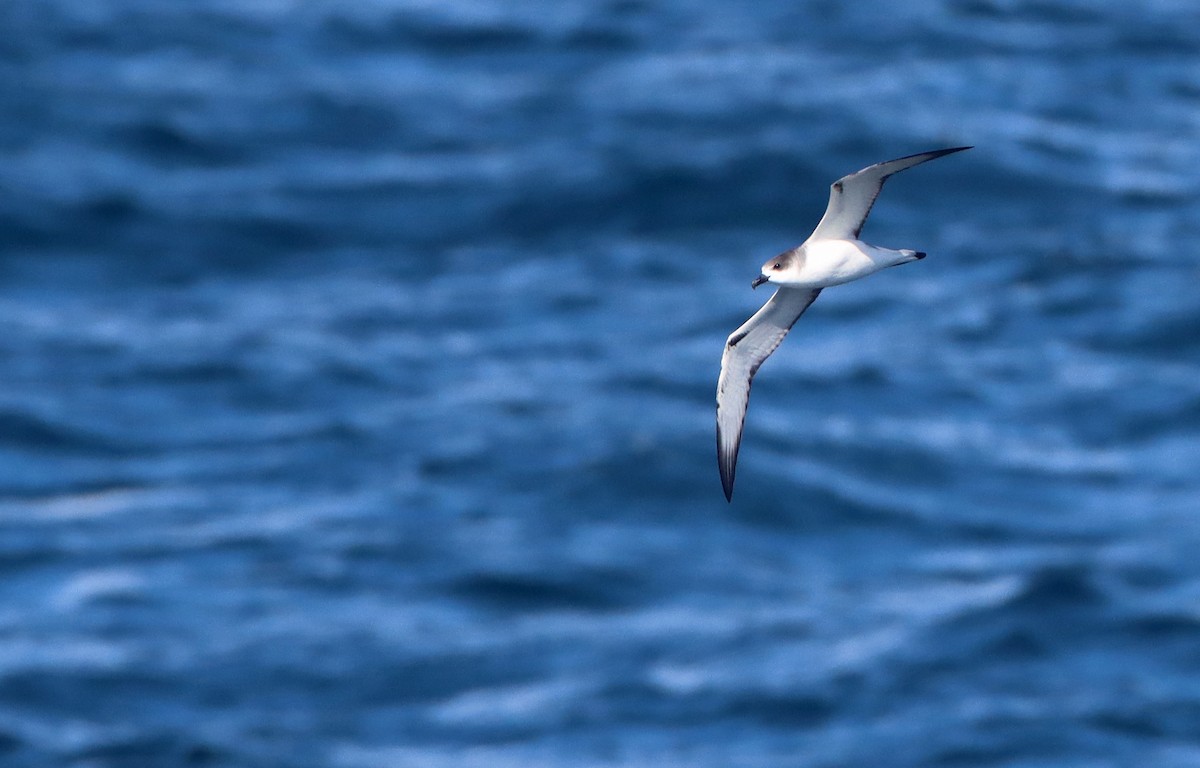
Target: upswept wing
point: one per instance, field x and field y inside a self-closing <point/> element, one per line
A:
<point x="851" y="197"/>
<point x="745" y="351"/>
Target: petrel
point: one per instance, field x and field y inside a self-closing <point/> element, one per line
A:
<point x="831" y="255"/>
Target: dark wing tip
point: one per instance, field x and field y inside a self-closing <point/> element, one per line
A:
<point x="932" y="154"/>
<point x="727" y="463"/>
<point x="728" y="466"/>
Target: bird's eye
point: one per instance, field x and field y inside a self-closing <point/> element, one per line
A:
<point x="777" y="266"/>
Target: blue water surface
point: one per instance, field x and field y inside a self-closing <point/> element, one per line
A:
<point x="358" y="375"/>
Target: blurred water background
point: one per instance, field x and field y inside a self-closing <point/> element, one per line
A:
<point x="358" y="373"/>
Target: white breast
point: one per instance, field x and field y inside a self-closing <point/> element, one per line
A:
<point x="833" y="262"/>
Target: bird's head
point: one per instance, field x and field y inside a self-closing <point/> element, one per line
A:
<point x="774" y="268"/>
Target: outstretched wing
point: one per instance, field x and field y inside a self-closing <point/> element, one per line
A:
<point x="851" y="197"/>
<point x="745" y="351"/>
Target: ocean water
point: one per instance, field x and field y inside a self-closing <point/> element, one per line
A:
<point x="358" y="374"/>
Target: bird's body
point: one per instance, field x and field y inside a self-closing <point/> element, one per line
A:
<point x="832" y="255"/>
<point x="824" y="263"/>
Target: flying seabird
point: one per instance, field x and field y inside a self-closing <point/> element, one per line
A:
<point x="831" y="255"/>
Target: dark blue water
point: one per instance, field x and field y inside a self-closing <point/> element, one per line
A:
<point x="358" y="363"/>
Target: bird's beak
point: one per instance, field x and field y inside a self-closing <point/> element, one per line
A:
<point x="759" y="281"/>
